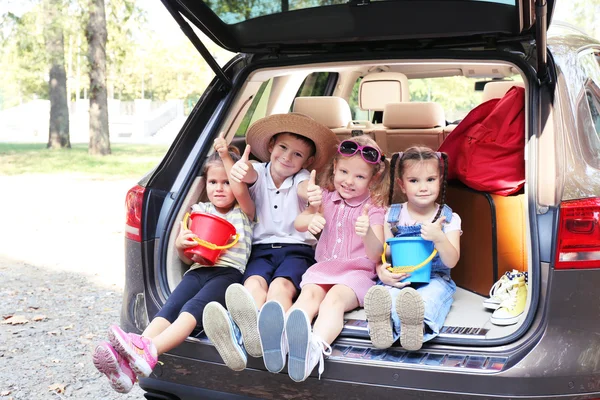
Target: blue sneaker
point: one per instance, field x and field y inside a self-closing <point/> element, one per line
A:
<point x="224" y="335"/>
<point x="271" y="328"/>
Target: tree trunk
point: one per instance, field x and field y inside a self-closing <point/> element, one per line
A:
<point x="96" y="37"/>
<point x="58" y="132"/>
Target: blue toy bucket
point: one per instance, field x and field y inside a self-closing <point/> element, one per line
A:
<point x="411" y="255"/>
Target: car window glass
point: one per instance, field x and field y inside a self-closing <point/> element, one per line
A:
<point x="456" y="94"/>
<point x="257" y="109"/>
<point x="318" y="84"/>
<point x="590" y="61"/>
<point x="358" y="114"/>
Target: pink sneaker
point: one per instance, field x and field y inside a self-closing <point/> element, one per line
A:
<point x="137" y="350"/>
<point x="117" y="370"/>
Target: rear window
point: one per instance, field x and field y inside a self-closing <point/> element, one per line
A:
<point x="456" y="94"/>
<point x="233" y="12"/>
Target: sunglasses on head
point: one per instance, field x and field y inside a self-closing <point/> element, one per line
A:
<point x="370" y="154"/>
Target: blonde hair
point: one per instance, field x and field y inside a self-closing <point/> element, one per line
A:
<point x="379" y="185"/>
<point x="416" y="154"/>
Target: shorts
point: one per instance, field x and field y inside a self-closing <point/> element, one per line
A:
<point x="280" y="260"/>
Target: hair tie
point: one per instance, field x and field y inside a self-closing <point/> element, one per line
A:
<point x="438" y="154"/>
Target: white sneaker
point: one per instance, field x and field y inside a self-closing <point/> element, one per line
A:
<point x="306" y="350"/>
<point x="499" y="291"/>
<point x="271" y="328"/>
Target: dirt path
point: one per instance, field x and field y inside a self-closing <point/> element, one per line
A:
<point x="62" y="270"/>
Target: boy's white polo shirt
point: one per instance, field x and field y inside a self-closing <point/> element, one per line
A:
<point x="277" y="208"/>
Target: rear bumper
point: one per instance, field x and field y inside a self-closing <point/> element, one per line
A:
<point x="188" y="378"/>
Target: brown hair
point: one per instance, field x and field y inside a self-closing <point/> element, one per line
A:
<point x="419" y="153"/>
<point x="215" y="159"/>
<point x="303" y="139"/>
<point x="379" y="185"/>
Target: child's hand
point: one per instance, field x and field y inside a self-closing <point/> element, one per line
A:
<point x="185" y="239"/>
<point x="362" y="223"/>
<point x="220" y="145"/>
<point x="240" y="168"/>
<point x="316" y="225"/>
<point x="313" y="191"/>
<point x="390" y="278"/>
<point x="433" y="230"/>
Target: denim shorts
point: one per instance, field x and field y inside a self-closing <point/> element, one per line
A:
<point x="281" y="260"/>
<point x="437" y="298"/>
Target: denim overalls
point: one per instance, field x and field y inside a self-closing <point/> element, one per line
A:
<point x="437" y="294"/>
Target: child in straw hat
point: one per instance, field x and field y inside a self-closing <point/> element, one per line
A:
<point x="287" y="144"/>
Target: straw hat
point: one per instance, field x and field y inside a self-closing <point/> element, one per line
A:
<point x="261" y="132"/>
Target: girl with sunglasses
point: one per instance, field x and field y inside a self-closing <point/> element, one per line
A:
<point x="349" y="214"/>
<point x="416" y="314"/>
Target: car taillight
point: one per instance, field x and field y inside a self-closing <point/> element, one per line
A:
<point x="579" y="234"/>
<point x="133" y="209"/>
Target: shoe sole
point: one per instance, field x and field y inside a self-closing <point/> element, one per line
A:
<point x="378" y="305"/>
<point x="217" y="327"/>
<point x="491" y="305"/>
<point x="505" y="321"/>
<point x="297" y="329"/>
<point x="106" y="362"/>
<point x="410" y="309"/>
<point x="271" y="325"/>
<point x="137" y="363"/>
<point x="242" y="308"/>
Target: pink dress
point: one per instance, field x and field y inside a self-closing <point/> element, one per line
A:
<point x="340" y="253"/>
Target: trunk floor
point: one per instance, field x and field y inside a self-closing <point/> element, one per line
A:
<point x="467" y="311"/>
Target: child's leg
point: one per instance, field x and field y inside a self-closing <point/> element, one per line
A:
<point x="307" y="348"/>
<point x="139" y="351"/>
<point x="156" y="326"/>
<point x="258" y="288"/>
<point x="282" y="290"/>
<point x="330" y="321"/>
<point x="419" y="313"/>
<point x="310" y="299"/>
<point x="438" y="297"/>
<point x="271" y="324"/>
<point x="213" y="289"/>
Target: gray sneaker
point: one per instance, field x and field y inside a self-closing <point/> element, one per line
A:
<point x="411" y="310"/>
<point x="378" y="306"/>
<point x="224" y="335"/>
<point x="242" y="308"/>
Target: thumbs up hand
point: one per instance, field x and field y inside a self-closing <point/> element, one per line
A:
<point x="317" y="223"/>
<point x="433" y="230"/>
<point x="240" y="168"/>
<point x="362" y="223"/>
<point x="220" y="145"/>
<point x="313" y="191"/>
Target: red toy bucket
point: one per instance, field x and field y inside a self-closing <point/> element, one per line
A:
<point x="212" y="235"/>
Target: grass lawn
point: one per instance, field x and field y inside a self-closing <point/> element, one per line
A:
<point x="126" y="160"/>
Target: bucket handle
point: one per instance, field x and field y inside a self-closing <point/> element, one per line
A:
<point x="207" y="244"/>
<point x="406" y="268"/>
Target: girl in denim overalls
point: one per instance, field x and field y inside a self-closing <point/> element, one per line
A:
<point x="416" y="314"/>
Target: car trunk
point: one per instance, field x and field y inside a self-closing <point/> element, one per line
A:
<point x="494" y="239"/>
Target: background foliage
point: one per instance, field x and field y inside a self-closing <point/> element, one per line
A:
<point x="145" y="64"/>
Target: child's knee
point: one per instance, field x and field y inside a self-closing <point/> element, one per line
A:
<point x="282" y="286"/>
<point x="256" y="283"/>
